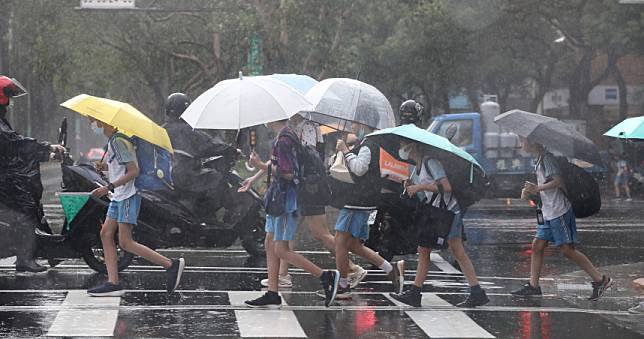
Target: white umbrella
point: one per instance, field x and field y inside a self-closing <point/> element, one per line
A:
<point x="244" y="102"/>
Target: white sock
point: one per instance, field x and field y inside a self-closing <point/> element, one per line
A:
<point x="386" y="266"/>
<point x="344" y="282"/>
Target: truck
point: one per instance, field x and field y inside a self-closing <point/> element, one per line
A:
<point x="497" y="150"/>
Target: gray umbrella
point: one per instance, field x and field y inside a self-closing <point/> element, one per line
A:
<point x="340" y="101"/>
<point x="552" y="133"/>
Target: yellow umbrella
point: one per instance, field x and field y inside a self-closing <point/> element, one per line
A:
<point x="123" y="116"/>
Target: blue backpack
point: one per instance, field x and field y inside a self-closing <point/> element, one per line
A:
<point x="155" y="165"/>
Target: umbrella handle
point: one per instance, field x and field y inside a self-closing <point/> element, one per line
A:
<point x="246" y="164"/>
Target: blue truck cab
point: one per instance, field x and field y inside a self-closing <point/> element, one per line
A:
<point x="498" y="151"/>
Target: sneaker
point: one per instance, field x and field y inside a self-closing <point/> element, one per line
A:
<point x="174" y="274"/>
<point x="355" y="278"/>
<point x="409" y="297"/>
<point x="330" y="281"/>
<point x="343" y="293"/>
<point x="600" y="287"/>
<point x="639" y="309"/>
<point x="474" y="299"/>
<point x="397" y="275"/>
<point x="629" y="199"/>
<point x="528" y="291"/>
<point x="107" y="289"/>
<point x="285" y="281"/>
<point x="267" y="300"/>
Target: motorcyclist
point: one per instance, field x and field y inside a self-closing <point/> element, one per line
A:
<point x="190" y="148"/>
<point x="20" y="186"/>
<point x="410" y="112"/>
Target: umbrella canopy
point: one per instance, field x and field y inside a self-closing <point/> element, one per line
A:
<point x="631" y="128"/>
<point x="301" y="83"/>
<point x="123" y="116"/>
<point x="552" y="133"/>
<point x="427" y="138"/>
<point x="340" y="101"/>
<point x="244" y="102"/>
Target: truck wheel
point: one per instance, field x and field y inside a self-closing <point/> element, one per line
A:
<point x="253" y="239"/>
<point x="92" y="252"/>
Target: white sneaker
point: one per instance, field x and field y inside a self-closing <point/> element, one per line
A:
<point x="629" y="199"/>
<point x="355" y="278"/>
<point x="284" y="282"/>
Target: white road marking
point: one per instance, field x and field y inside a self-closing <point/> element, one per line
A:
<point x="76" y="319"/>
<point x="264" y="323"/>
<point x="9" y="261"/>
<point x="446" y="324"/>
<point x="441" y="263"/>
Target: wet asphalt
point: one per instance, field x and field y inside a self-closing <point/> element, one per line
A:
<point x="216" y="281"/>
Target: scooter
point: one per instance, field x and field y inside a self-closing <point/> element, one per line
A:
<point x="166" y="219"/>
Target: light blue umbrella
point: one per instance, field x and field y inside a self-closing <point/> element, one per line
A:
<point x="425" y="137"/>
<point x="301" y="83"/>
<point x="631" y="128"/>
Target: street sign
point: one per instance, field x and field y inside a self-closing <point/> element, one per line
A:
<point x="107" y="4"/>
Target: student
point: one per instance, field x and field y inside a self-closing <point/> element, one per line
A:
<point x="352" y="225"/>
<point x="429" y="179"/>
<point x="281" y="229"/>
<point x="122" y="215"/>
<point x="622" y="177"/>
<point x="558" y="224"/>
<point x="314" y="216"/>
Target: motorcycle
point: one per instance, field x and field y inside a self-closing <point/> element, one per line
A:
<point x="167" y="219"/>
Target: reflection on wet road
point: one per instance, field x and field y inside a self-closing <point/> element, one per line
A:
<point x="209" y="301"/>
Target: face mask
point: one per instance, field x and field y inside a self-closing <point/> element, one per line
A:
<point x="404" y="152"/>
<point x="94" y="127"/>
<point x="360" y="134"/>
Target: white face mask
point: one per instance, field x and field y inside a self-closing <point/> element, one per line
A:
<point x="94" y="127"/>
<point x="404" y="152"/>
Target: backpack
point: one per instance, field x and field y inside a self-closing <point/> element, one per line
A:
<point x="581" y="189"/>
<point x="155" y="165"/>
<point x="313" y="187"/>
<point x="466" y="193"/>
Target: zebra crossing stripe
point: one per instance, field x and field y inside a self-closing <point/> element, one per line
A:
<point x="264" y="323"/>
<point x="74" y="322"/>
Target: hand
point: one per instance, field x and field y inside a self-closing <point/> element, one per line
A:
<point x="100" y="166"/>
<point x="57" y="149"/>
<point x="531" y="188"/>
<point x="100" y="192"/>
<point x="245" y="186"/>
<point x="412" y="189"/>
<point x="341" y="146"/>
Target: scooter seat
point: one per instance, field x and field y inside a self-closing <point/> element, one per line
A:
<point x="50" y="237"/>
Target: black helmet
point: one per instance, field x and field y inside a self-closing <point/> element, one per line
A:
<point x="410" y="112"/>
<point x="176" y="104"/>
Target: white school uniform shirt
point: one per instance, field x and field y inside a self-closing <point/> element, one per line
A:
<point x="553" y="201"/>
<point x="120" y="151"/>
<point x="430" y="175"/>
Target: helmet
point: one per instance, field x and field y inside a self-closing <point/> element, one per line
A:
<point x="10" y="88"/>
<point x="176" y="104"/>
<point x="410" y="112"/>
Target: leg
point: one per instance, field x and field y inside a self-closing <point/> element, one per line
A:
<point x="128" y="244"/>
<point x="582" y="261"/>
<point x="284" y="263"/>
<point x="283" y="252"/>
<point x="108" y="230"/>
<point x="536" y="260"/>
<point x="627" y="189"/>
<point x="616" y="184"/>
<point x="423" y="266"/>
<point x="366" y="253"/>
<point x="272" y="263"/>
<point x="342" y="244"/>
<point x="318" y="228"/>
<point x="457" y="249"/>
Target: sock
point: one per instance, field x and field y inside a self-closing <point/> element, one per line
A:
<point x="415" y="289"/>
<point x="476" y="289"/>
<point x="344" y="282"/>
<point x="386" y="266"/>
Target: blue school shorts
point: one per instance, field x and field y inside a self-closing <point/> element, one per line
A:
<point x="283" y="227"/>
<point x="355" y="222"/>
<point x="560" y="231"/>
<point x="125" y="211"/>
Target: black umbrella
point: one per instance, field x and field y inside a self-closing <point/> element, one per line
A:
<point x="552" y="133"/>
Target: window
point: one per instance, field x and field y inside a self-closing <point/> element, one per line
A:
<point x="459" y="132"/>
<point x="610" y="94"/>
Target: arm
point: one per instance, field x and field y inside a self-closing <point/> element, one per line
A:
<point x="357" y="164"/>
<point x="131" y="174"/>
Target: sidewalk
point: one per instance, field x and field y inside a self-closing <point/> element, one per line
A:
<point x="575" y="288"/>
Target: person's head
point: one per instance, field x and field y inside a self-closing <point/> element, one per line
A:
<point x="176" y="104"/>
<point x="10" y="88"/>
<point x="360" y="130"/>
<point x="410" y="112"/>
<point x="276" y="126"/>
<point x="410" y="150"/>
<point x="531" y="147"/>
<point x="97" y="125"/>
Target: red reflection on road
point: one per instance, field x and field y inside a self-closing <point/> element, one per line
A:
<point x="365" y="322"/>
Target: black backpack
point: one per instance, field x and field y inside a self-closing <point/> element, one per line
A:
<point x="313" y="187"/>
<point x="466" y="193"/>
<point x="581" y="189"/>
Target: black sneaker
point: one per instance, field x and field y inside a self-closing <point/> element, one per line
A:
<point x="397" y="275"/>
<point x="330" y="281"/>
<point x="600" y="287"/>
<point x="528" y="291"/>
<point x="174" y="274"/>
<point x="343" y="293"/>
<point x="268" y="300"/>
<point x="409" y="297"/>
<point x="474" y="299"/>
<point x="106" y="289"/>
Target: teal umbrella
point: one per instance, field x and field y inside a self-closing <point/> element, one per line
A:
<point x="631" y="128"/>
<point x="425" y="137"/>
